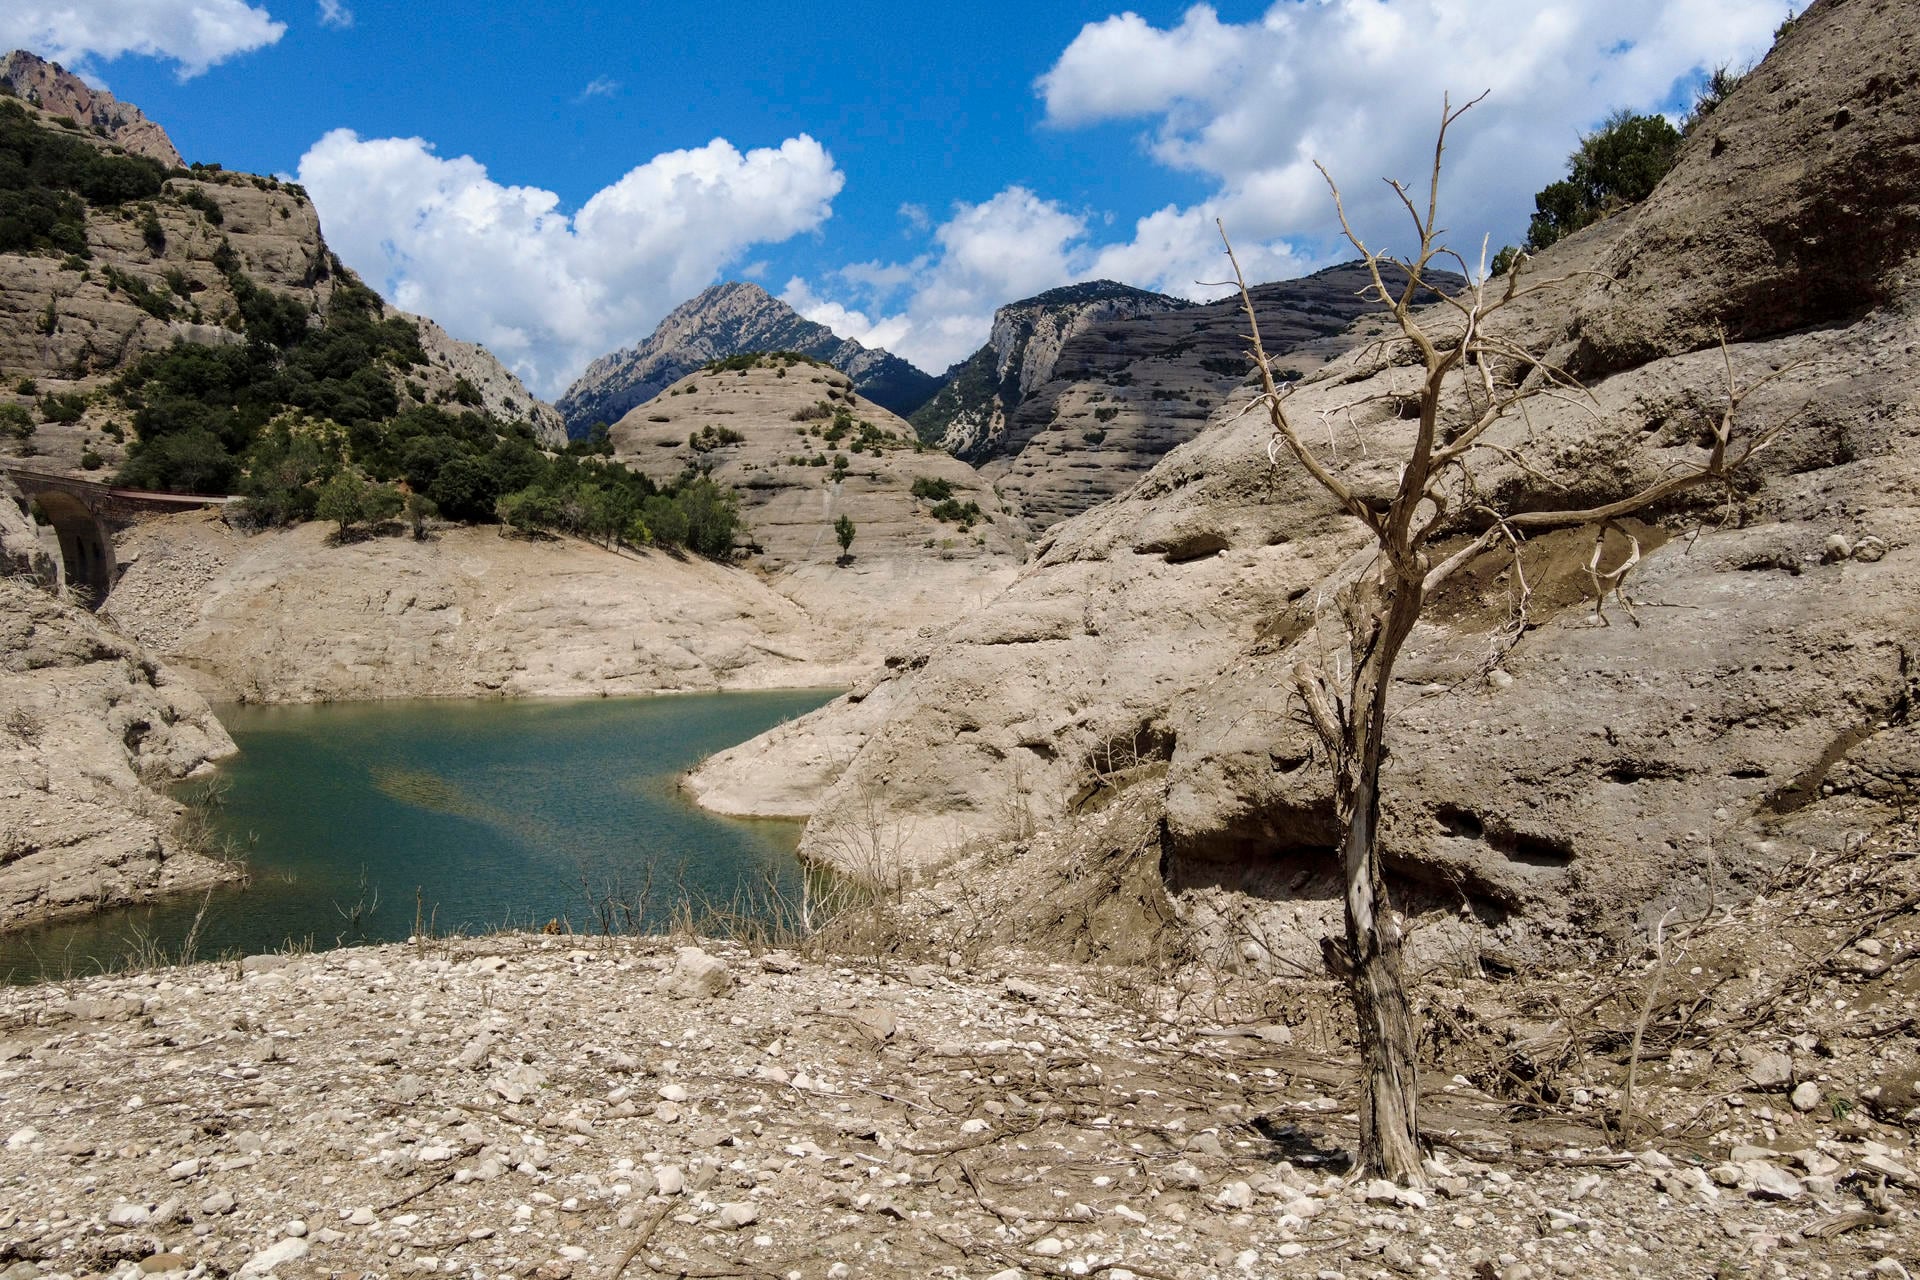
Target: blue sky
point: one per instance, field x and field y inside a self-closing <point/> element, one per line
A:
<point x="551" y="180"/>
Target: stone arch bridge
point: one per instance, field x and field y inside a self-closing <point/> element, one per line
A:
<point x="86" y="514"/>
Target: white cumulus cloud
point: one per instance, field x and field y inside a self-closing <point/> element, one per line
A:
<point x="79" y="34"/>
<point x="335" y="14"/>
<point x="1161" y="67"/>
<point x="1357" y="85"/>
<point x="544" y="290"/>
<point x="1247" y="108"/>
<point x="983" y="255"/>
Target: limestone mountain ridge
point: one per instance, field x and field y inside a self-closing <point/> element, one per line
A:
<point x="980" y="394"/>
<point x="728" y="319"/>
<point x="1121" y="391"/>
<point x="1598" y="773"/>
<point x="59" y="92"/>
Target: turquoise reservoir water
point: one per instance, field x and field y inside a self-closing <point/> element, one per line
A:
<point x="477" y="815"/>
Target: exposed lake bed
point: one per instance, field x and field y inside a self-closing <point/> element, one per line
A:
<point x="364" y="822"/>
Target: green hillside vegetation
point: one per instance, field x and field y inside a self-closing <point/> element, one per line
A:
<point x="304" y="420"/>
<point x="48" y="179"/>
<point x="778" y="361"/>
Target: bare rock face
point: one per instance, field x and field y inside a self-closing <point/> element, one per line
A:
<point x="1123" y="391"/>
<point x="975" y="407"/>
<point x="731" y="318"/>
<point x="1791" y="206"/>
<point x="1756" y="700"/>
<point x="55" y="90"/>
<point x="24" y="552"/>
<point x="770" y="432"/>
<point x="803" y="450"/>
<point x="286" y="616"/>
<point x="90" y="728"/>
<point x="502" y="394"/>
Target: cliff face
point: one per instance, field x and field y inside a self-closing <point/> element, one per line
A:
<point x="726" y="320"/>
<point x="1121" y="392"/>
<point x="982" y="393"/>
<point x="1762" y="705"/>
<point x="56" y="91"/>
<point x="91" y="728"/>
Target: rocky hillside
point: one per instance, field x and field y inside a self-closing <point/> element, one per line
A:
<point x="804" y="448"/>
<point x="159" y="256"/>
<point x="484" y="1105"/>
<point x="982" y="392"/>
<point x="1124" y="391"/>
<point x="284" y="616"/>
<point x="730" y="319"/>
<point x="1757" y="704"/>
<point x="56" y="91"/>
<point x="91" y="729"/>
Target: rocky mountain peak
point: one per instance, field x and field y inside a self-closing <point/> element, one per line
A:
<point x="983" y="392"/>
<point x="58" y="91"/>
<point x="732" y="318"/>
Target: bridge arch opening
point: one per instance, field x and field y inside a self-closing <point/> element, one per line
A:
<point x="86" y="544"/>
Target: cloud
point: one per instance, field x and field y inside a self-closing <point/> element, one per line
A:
<point x="545" y="291"/>
<point x="1248" y="107"/>
<point x="942" y="302"/>
<point x="335" y="14"/>
<point x="196" y="34"/>
<point x="598" y="87"/>
<point x="1357" y="85"/>
<point x="1160" y="67"/>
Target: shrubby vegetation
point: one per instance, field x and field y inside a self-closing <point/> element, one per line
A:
<point x="709" y="438"/>
<point x="218" y="399"/>
<point x="304" y="422"/>
<point x="945" y="506"/>
<point x="47" y="179"/>
<point x="1616" y="165"/>
<point x="777" y="360"/>
<point x="1619" y="164"/>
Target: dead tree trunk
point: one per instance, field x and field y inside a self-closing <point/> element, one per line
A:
<point x="1389" y="1111"/>
<point x="1482" y="383"/>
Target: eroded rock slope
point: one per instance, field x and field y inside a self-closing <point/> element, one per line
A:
<point x="91" y="729"/>
<point x="982" y="393"/>
<point x="1759" y="699"/>
<point x="1123" y="392"/>
<point x="287" y="616"/>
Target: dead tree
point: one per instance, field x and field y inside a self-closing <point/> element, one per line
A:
<point x="1473" y="381"/>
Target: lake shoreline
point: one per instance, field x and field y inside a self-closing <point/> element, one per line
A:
<point x="490" y="813"/>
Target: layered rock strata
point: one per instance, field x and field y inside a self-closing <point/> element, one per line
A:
<point x="1608" y="765"/>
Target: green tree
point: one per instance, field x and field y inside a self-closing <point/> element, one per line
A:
<point x="189" y="461"/>
<point x="843" y="530"/>
<point x="1616" y="165"/>
<point x="284" y="470"/>
<point x="419" y="509"/>
<point x="665" y="521"/>
<point x="713" y="515"/>
<point x="349" y="499"/>
<point x="530" y="510"/>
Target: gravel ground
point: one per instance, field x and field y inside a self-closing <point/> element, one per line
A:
<point x="553" y="1107"/>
